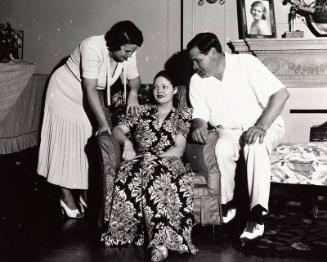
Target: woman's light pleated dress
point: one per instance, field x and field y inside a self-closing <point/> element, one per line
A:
<point x="66" y="128"/>
<point x="65" y="133"/>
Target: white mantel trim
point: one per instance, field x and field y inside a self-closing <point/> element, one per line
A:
<point x="296" y="62"/>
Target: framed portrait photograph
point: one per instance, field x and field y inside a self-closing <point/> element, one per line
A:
<point x="257" y="18"/>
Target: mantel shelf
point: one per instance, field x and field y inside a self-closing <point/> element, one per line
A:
<point x="296" y="62"/>
<point x="268" y="44"/>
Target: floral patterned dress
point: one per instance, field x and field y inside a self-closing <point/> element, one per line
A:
<point x="153" y="199"/>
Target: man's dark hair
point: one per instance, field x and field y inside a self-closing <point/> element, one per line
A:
<point x="205" y="41"/>
<point x="121" y="33"/>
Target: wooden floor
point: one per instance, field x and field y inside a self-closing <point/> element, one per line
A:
<point x="32" y="228"/>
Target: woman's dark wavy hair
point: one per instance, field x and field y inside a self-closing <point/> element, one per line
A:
<point x="168" y="76"/>
<point x="205" y="41"/>
<point x="121" y="33"/>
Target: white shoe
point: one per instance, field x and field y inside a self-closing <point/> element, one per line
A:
<point x="252" y="231"/>
<point x="70" y="213"/>
<point x="82" y="205"/>
<point x="231" y="213"/>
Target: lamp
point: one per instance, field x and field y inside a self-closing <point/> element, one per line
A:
<point x="297" y="7"/>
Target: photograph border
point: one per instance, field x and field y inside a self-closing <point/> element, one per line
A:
<point x="244" y="20"/>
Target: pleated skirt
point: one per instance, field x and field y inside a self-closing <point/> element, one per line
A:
<point x="65" y="132"/>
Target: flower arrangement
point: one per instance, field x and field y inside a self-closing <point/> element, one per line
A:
<point x="11" y="43"/>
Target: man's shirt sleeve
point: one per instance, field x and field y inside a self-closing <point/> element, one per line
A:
<point x="264" y="83"/>
<point x="198" y="99"/>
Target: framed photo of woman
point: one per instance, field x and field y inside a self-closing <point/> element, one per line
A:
<point x="258" y="18"/>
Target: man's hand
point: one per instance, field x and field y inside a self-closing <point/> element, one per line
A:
<point x="253" y="134"/>
<point x="133" y="103"/>
<point x="200" y="131"/>
<point x="270" y="113"/>
<point x="128" y="152"/>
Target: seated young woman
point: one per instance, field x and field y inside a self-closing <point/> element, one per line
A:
<point x="153" y="199"/>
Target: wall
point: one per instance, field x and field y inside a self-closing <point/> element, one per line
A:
<point x="53" y="28"/>
<point x="297" y="125"/>
<point x="223" y="20"/>
<point x="219" y="19"/>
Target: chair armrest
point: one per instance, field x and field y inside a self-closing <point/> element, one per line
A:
<point x="202" y="159"/>
<point x="207" y="191"/>
<point x="194" y="156"/>
<point x="109" y="157"/>
<point x="209" y="156"/>
<point x="109" y="149"/>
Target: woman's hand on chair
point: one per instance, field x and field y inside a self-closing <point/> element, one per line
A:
<point x="132" y="103"/>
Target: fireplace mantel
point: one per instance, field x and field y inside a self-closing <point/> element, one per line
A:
<point x="296" y="62"/>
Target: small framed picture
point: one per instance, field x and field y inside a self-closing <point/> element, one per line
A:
<point x="257" y="18"/>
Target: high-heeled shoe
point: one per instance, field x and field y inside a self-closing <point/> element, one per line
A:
<point x="82" y="205"/>
<point x="159" y="253"/>
<point x="71" y="213"/>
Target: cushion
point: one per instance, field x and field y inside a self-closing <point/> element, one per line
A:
<point x="300" y="163"/>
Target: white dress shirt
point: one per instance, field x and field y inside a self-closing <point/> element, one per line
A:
<point x="237" y="100"/>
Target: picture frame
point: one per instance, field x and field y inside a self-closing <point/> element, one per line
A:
<point x="257" y="19"/>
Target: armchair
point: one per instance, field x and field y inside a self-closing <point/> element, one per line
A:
<point x="200" y="158"/>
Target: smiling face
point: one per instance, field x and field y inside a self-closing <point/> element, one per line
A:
<point x="125" y="52"/>
<point x="163" y="91"/>
<point x="258" y="11"/>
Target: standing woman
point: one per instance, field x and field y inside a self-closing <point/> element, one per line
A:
<point x="94" y="65"/>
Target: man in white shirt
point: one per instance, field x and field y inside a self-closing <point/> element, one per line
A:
<point x="242" y="99"/>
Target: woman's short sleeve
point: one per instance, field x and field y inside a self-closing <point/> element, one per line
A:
<point x="130" y="120"/>
<point x="184" y="122"/>
<point x="263" y="82"/>
<point x="90" y="59"/>
<point x="131" y="67"/>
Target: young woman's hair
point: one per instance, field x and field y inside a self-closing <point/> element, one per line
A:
<point x="205" y="41"/>
<point x="121" y="33"/>
<point x="165" y="74"/>
<point x="264" y="9"/>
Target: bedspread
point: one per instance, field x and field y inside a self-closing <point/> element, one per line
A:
<point x="21" y="98"/>
<point x="300" y="163"/>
